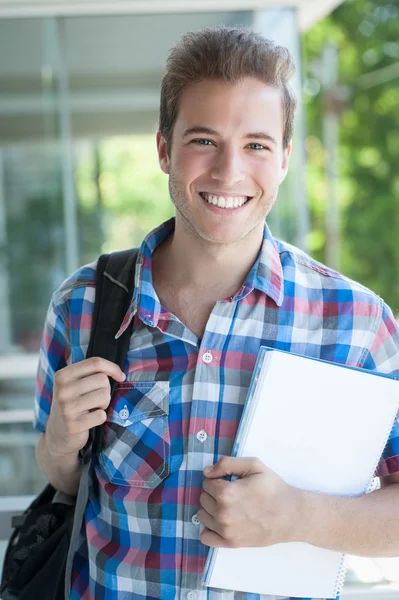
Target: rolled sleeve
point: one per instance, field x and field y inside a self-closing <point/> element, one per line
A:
<point x="54" y="355"/>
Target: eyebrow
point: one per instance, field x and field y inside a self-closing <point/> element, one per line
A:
<point x="259" y="135"/>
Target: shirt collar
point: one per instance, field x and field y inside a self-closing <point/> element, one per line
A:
<point x="266" y="276"/>
<point x="144" y="298"/>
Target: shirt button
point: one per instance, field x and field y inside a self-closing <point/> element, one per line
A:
<point x="202" y="436"/>
<point x="124" y="413"/>
<point x="207" y="358"/>
<point x="196" y="520"/>
<point x="192" y="596"/>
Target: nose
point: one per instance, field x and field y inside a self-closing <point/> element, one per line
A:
<point x="228" y="168"/>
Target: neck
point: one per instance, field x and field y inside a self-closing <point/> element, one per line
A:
<point x="189" y="262"/>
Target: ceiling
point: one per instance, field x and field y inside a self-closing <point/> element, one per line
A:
<point x="308" y="11"/>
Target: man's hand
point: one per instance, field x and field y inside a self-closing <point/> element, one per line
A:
<point x="81" y="395"/>
<point x="259" y="509"/>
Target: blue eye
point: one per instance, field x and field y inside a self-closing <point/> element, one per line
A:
<point x="258" y="146"/>
<point x="202" y="141"/>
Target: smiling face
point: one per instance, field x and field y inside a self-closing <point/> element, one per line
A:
<point x="227" y="159"/>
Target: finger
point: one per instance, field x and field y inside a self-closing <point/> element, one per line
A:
<point x="231" y="465"/>
<point x="215" y="487"/>
<point x="91" y="366"/>
<point x="213" y="539"/>
<point x="209" y="521"/>
<point x="89" y="420"/>
<point x="99" y="399"/>
<point x="99" y="381"/>
<point x="208" y="503"/>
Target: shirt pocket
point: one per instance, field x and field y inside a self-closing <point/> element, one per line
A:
<point x="136" y="435"/>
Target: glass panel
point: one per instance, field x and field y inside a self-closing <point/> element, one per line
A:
<point x="32" y="240"/>
<point x="17" y="443"/>
<point x="31" y="196"/>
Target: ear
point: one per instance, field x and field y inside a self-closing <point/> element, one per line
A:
<point x="285" y="162"/>
<point x="163" y="157"/>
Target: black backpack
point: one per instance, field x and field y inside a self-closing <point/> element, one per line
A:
<point x="39" y="555"/>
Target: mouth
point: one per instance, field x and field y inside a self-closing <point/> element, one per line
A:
<point x="220" y="201"/>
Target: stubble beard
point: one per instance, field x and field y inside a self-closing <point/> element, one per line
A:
<point x="179" y="198"/>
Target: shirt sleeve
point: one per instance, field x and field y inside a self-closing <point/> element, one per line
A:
<point x="54" y="355"/>
<point x="383" y="356"/>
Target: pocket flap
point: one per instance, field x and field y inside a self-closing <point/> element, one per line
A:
<point x="138" y="400"/>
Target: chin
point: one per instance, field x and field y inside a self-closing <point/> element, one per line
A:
<point x="221" y="238"/>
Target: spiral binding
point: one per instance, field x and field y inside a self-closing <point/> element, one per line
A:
<point x="339" y="584"/>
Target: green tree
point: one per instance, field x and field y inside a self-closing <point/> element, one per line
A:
<point x="367" y="35"/>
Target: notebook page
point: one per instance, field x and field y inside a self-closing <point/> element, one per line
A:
<point x="322" y="428"/>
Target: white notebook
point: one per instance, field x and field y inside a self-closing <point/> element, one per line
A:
<point x="322" y="427"/>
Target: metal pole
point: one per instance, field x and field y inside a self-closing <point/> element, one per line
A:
<point x="298" y="184"/>
<point x="331" y="145"/>
<point x="66" y="144"/>
<point x="99" y="198"/>
<point x="5" y="313"/>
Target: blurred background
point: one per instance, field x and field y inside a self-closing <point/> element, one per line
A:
<point x="79" y="95"/>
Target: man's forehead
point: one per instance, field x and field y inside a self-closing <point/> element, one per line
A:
<point x="249" y="108"/>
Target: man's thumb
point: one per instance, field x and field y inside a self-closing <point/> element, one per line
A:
<point x="229" y="465"/>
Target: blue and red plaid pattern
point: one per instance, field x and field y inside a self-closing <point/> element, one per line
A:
<point x="179" y="408"/>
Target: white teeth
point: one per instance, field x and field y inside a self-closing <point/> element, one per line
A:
<point x="225" y="202"/>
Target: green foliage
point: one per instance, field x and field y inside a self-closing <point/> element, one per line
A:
<point x="367" y="35"/>
<point x="121" y="186"/>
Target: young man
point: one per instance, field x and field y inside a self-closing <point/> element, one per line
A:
<point x="213" y="285"/>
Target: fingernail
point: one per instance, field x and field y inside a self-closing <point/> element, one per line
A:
<point x="207" y="469"/>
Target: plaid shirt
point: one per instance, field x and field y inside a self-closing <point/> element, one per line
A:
<point x="179" y="408"/>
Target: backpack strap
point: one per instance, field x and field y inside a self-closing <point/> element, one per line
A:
<point x="115" y="277"/>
